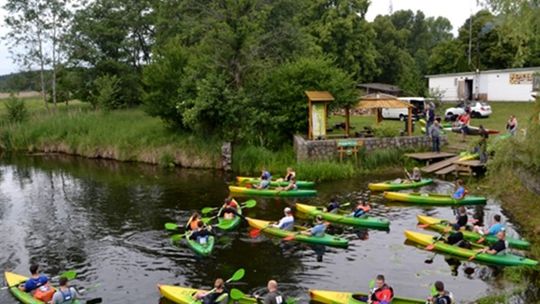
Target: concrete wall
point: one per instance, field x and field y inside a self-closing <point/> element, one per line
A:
<point x="327" y="149"/>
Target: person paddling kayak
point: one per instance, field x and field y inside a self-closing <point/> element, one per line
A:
<point x="286" y="222"/>
<point x="201" y="234"/>
<point x="291" y="186"/>
<point x="382" y="293"/>
<point x="415" y="177"/>
<point x="440" y="295"/>
<point x="319" y="228"/>
<point x="361" y="209"/>
<point x="229" y="208"/>
<point x="460" y="191"/>
<point x="333" y="206"/>
<point x="273" y="296"/>
<point x="461" y="219"/>
<point x="64" y="294"/>
<point x="193" y="222"/>
<point x="38" y="285"/>
<point x="495" y="228"/>
<point x="265" y="182"/>
<point x="498" y="246"/>
<point x="265" y="174"/>
<point x="288" y="176"/>
<point x="218" y="296"/>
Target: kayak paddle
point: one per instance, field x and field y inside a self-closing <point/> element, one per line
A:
<point x="207" y="220"/>
<point x="248" y="204"/>
<point x="177" y="237"/>
<point x="432" y="245"/>
<point x="94" y="301"/>
<point x="430" y="260"/>
<point x="237" y="275"/>
<point x="207" y="210"/>
<point x="237" y="294"/>
<point x="70" y="275"/>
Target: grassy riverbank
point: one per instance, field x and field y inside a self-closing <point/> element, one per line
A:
<point x="125" y="135"/>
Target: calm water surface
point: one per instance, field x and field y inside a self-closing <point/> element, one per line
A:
<point x="105" y="219"/>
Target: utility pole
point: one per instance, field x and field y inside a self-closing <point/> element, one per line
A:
<point x="470" y="38"/>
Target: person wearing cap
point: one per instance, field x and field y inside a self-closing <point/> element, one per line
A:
<point x="440" y="295"/>
<point x="65" y="294"/>
<point x="319" y="228"/>
<point x="286" y="222"/>
<point x="361" y="209"/>
<point x="333" y="206"/>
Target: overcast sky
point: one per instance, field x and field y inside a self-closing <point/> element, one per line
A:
<point x="457" y="11"/>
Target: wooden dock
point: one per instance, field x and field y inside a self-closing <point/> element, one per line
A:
<point x="440" y="164"/>
<point x="468" y="167"/>
<point x="429" y="156"/>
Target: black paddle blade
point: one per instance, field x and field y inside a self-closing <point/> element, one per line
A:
<point x="428" y="261"/>
<point x="94" y="301"/>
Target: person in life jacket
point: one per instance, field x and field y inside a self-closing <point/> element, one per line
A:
<point x="273" y="296"/>
<point x="288" y="176"/>
<point x="439" y="295"/>
<point x="229" y="208"/>
<point x="193" y="222"/>
<point x="65" y="294"/>
<point x="361" y="209"/>
<point x="382" y="293"/>
<point x="219" y="294"/>
<point x="35" y="281"/>
<point x="201" y="234"/>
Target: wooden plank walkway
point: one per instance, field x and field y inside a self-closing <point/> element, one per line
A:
<point x="441" y="164"/>
<point x="429" y="155"/>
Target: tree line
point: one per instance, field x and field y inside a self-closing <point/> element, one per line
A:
<point x="238" y="68"/>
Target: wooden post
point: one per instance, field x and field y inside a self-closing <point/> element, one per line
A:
<point x="310" y="130"/>
<point x="409" y="122"/>
<point x="347" y="120"/>
<point x="379" y="115"/>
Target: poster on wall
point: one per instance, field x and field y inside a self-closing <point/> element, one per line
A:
<point x="521" y="78"/>
<point x="318" y="121"/>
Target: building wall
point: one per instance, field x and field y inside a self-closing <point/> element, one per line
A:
<point x="499" y="86"/>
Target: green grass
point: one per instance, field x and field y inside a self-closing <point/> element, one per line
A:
<point x="126" y="135"/>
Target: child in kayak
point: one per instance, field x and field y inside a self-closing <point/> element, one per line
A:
<point x="288" y="176"/>
<point x="217" y="296"/>
<point x="460" y="191"/>
<point x="193" y="222"/>
<point x="319" y="228"/>
<point x="361" y="209"/>
<point x="380" y="294"/>
<point x="333" y="206"/>
<point x="265" y="175"/>
<point x="264" y="184"/>
<point x="286" y="222"/>
<point x="38" y="285"/>
<point x="229" y="208"/>
<point x="440" y="295"/>
<point x="201" y="234"/>
<point x="415" y="177"/>
<point x="64" y="294"/>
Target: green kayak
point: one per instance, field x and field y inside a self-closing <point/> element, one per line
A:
<point x="404" y="184"/>
<point x="368" y="221"/>
<point x="492" y="259"/>
<point x="328" y="240"/>
<point x="440" y="225"/>
<point x="272" y="192"/>
<point x="13" y="279"/>
<point x="433" y="198"/>
<point x="242" y="180"/>
<point x="341" y="297"/>
<point x="230" y="224"/>
<point x="202" y="249"/>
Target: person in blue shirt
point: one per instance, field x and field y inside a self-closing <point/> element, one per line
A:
<point x="319" y="228"/>
<point x="460" y="191"/>
<point x="287" y="222"/>
<point x="264" y="184"/>
<point x="35" y="281"/>
<point x="65" y="294"/>
<point x="202" y="233"/>
<point x="495" y="228"/>
<point x="265" y="175"/>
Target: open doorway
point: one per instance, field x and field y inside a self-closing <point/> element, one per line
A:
<point x="468" y="89"/>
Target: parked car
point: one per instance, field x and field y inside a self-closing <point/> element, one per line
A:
<point x="477" y="108"/>
<point x="419" y="104"/>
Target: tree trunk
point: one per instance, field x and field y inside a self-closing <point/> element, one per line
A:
<point x="54" y="60"/>
<point x="42" y="70"/>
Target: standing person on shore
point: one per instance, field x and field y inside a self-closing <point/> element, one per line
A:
<point x="512" y="125"/>
<point x="430" y="117"/>
<point x="464" y="121"/>
<point x="435" y="133"/>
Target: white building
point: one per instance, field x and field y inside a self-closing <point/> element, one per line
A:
<point x="492" y="85"/>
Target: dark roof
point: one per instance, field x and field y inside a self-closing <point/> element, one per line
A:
<point x="380" y="87"/>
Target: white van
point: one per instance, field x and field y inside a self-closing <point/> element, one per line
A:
<point x="401" y="114"/>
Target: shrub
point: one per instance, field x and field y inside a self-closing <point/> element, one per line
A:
<point x="16" y="110"/>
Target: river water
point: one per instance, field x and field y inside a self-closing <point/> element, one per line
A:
<point x="105" y="219"/>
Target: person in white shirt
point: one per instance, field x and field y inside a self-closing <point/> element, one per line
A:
<point x="286" y="222"/>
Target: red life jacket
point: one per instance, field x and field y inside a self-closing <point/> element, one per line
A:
<point x="385" y="293"/>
